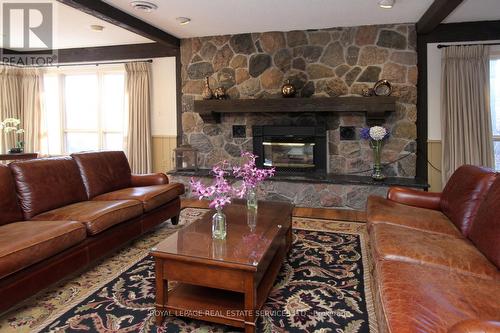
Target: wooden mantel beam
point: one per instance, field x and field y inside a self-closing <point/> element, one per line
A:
<point x="435" y="14"/>
<point x="115" y="16"/>
<point x="374" y="107"/>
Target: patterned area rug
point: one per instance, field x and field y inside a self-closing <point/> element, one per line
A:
<point x="323" y="287"/>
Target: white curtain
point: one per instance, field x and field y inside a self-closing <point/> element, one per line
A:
<point x="9" y="103"/>
<point x="465" y="110"/>
<point x="20" y="90"/>
<point x="138" y="148"/>
<point x="30" y="106"/>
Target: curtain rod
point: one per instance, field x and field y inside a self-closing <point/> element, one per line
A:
<point x="440" y="46"/>
<point x="76" y="64"/>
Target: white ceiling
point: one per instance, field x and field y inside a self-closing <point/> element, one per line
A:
<point x="72" y="29"/>
<point x="219" y="17"/>
<point x="475" y="10"/>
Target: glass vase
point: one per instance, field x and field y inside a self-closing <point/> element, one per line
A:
<point x="219" y="225"/>
<point x="377" y="164"/>
<point x="252" y="202"/>
<point x="252" y="205"/>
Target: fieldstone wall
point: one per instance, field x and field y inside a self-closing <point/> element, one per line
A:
<point x="329" y="62"/>
<point x="307" y="194"/>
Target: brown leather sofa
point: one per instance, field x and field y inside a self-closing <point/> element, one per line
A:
<point x="58" y="215"/>
<point x="436" y="256"/>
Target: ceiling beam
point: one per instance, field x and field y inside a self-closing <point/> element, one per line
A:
<point x="435" y="14"/>
<point x="115" y="16"/>
<point x="92" y="54"/>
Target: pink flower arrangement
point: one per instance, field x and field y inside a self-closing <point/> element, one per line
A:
<point x="250" y="174"/>
<point x="221" y="191"/>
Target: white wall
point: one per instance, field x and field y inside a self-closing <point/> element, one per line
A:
<point x="434" y="87"/>
<point x="164" y="97"/>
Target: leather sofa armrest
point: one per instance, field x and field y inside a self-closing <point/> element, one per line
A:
<point x="149" y="179"/>
<point x="476" y="326"/>
<point x="411" y="197"/>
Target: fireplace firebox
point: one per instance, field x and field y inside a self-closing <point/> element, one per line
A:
<point x="291" y="149"/>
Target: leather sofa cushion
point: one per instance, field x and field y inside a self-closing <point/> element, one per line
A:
<point x="9" y="206"/>
<point x="391" y="242"/>
<point x="25" y="243"/>
<point x="150" y="196"/>
<point x="46" y="184"/>
<point x="97" y="216"/>
<point x="103" y="172"/>
<point x="485" y="231"/>
<point x="381" y="210"/>
<point x="463" y="194"/>
<point x="419" y="298"/>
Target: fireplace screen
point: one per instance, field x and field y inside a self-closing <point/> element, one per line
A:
<point x="288" y="154"/>
<point x="291" y="149"/>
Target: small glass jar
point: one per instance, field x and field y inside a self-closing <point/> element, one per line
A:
<point x="185" y="157"/>
<point x="252" y="219"/>
<point x="219" y="225"/>
<point x="252" y="202"/>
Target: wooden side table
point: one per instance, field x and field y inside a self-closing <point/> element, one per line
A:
<point x="17" y="157"/>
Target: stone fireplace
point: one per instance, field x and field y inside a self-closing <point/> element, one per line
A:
<point x="319" y="63"/>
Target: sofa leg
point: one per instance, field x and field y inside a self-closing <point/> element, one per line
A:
<point x="175" y="220"/>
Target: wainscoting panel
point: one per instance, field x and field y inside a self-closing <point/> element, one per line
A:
<point x="162" y="152"/>
<point x="434" y="150"/>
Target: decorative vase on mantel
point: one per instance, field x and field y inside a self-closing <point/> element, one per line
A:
<point x="207" y="92"/>
<point x="219" y="230"/>
<point x="288" y="89"/>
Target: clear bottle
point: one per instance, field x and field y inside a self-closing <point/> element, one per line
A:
<point x="219" y="225"/>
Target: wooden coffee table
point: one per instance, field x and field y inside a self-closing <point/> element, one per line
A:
<point x="227" y="281"/>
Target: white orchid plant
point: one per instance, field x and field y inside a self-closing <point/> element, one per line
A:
<point x="11" y="125"/>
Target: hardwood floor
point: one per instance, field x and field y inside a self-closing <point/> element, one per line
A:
<point x="319" y="213"/>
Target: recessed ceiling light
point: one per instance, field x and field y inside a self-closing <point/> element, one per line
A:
<point x="386" y="4"/>
<point x="96" y="28"/>
<point x="144" y="6"/>
<point x="183" y="20"/>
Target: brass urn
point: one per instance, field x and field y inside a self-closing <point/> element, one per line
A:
<point x="288" y="90"/>
<point x="220" y="93"/>
<point x="207" y="92"/>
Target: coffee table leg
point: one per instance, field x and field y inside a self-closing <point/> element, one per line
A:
<point x="161" y="292"/>
<point x="250" y="303"/>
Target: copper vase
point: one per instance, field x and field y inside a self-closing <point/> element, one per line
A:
<point x="288" y="90"/>
<point x="207" y="93"/>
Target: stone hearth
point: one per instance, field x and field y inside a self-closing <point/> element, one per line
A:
<point x="330" y="191"/>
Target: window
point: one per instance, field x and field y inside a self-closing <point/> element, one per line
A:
<point x="84" y="109"/>
<point x="495" y="106"/>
